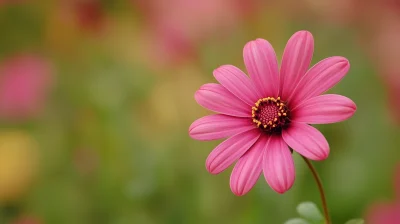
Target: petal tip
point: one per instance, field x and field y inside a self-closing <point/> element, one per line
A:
<point x="345" y="62"/>
<point x="260" y="40"/>
<point x="303" y="33"/>
<point x="354" y="107"/>
<point x="238" y="193"/>
<point x="322" y="156"/>
<point x="255" y="42"/>
<point x="248" y="44"/>
<point x="248" y="47"/>
<point x="303" y="36"/>
<point x="219" y="71"/>
<point x="197" y="95"/>
<point x="191" y="130"/>
<point x="211" y="168"/>
<point x="342" y="61"/>
<point x="237" y="188"/>
<point x="216" y="71"/>
<point x="281" y="189"/>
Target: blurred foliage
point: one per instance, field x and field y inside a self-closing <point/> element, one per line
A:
<point x="111" y="143"/>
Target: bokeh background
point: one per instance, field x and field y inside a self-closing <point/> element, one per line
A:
<point x="96" y="98"/>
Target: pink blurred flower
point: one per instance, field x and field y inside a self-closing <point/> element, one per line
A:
<point x="24" y="83"/>
<point x="389" y="212"/>
<point x="174" y="28"/>
<point x="264" y="115"/>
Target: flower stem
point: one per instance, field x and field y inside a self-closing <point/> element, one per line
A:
<point x="321" y="190"/>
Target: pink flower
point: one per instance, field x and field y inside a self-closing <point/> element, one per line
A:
<point x="386" y="213"/>
<point x="24" y="84"/>
<point x="264" y="115"/>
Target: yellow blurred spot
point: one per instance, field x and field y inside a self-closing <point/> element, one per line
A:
<point x="18" y="164"/>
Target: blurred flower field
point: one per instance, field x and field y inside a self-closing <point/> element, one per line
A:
<point x="96" y="98"/>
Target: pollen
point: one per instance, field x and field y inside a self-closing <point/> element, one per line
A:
<point x="270" y="114"/>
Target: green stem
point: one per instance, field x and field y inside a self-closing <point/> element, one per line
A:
<point x="321" y="190"/>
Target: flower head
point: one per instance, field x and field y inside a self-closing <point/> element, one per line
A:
<point x="265" y="114"/>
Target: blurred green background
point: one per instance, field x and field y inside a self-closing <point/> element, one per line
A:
<point x="98" y="133"/>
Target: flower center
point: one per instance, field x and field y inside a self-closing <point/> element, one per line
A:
<point x="270" y="114"/>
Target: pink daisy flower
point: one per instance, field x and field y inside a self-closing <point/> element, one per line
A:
<point x="265" y="114"/>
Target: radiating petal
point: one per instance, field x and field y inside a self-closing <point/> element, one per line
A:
<point x="278" y="165"/>
<point x="306" y="140"/>
<point x="324" y="109"/>
<point x="218" y="126"/>
<point x="295" y="61"/>
<point x="320" y="78"/>
<point x="216" y="98"/>
<point x="231" y="150"/>
<point x="262" y="66"/>
<point x="248" y="169"/>
<point x="236" y="82"/>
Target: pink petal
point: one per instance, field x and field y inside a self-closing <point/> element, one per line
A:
<point x="248" y="169"/>
<point x="295" y="61"/>
<point x="231" y="150"/>
<point x="306" y="140"/>
<point x="320" y="78"/>
<point x="383" y="214"/>
<point x="234" y="80"/>
<point x="324" y="109"/>
<point x="278" y="165"/>
<point x="218" y="126"/>
<point x="216" y="98"/>
<point x="260" y="60"/>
